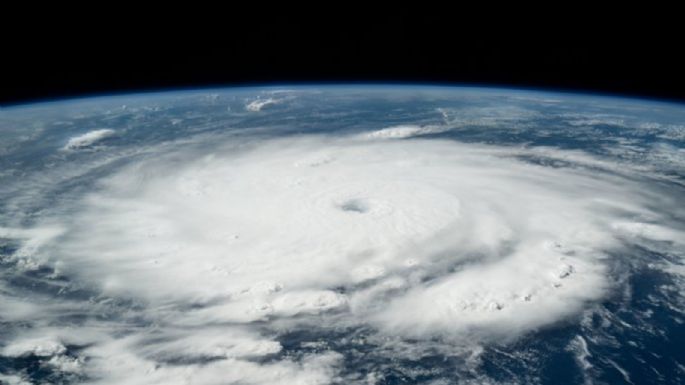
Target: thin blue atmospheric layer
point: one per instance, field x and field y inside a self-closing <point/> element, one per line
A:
<point x="54" y="154"/>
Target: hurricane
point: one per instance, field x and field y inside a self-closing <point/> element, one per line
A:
<point x="342" y="236"/>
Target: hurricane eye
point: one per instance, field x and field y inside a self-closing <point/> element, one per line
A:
<point x="354" y="206"/>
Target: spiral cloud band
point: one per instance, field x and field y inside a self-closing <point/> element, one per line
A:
<point x="474" y="236"/>
<point x="195" y="262"/>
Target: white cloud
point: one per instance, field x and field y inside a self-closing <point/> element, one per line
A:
<point x="88" y="139"/>
<point x="405" y="131"/>
<point x="42" y="347"/>
<point x="498" y="299"/>
<point x="213" y="342"/>
<point x="13" y="380"/>
<point x="116" y="363"/>
<point x="257" y="104"/>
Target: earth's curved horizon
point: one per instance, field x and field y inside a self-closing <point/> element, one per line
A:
<point x="340" y="85"/>
<point x="343" y="234"/>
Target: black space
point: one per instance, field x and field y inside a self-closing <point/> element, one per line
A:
<point x="51" y="57"/>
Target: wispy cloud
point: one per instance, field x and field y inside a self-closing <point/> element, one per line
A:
<point x="88" y="139"/>
<point x="257" y="104"/>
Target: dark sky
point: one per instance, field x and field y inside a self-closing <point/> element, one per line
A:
<point x="107" y="52"/>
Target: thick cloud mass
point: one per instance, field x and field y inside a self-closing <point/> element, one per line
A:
<point x="193" y="262"/>
<point x="276" y="228"/>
